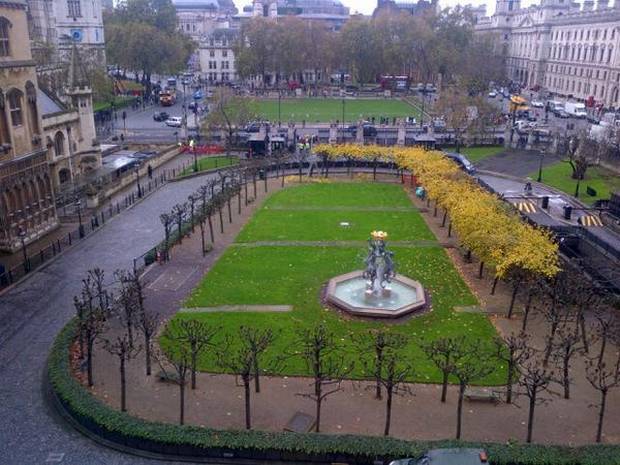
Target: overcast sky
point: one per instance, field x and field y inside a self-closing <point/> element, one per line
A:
<point x="368" y="6"/>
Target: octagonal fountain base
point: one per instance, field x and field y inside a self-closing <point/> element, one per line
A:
<point x="401" y="297"/>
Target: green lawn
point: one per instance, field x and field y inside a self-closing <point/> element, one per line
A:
<point x="326" y="110"/>
<point x="600" y="179"/>
<point x="210" y="162"/>
<point x="294" y="275"/>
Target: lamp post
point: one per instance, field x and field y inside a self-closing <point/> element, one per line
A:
<point x="78" y="204"/>
<point x="540" y="166"/>
<point x="279" y="108"/>
<point x="343" y="111"/>
<point x="138" y="181"/>
<point x="21" y="233"/>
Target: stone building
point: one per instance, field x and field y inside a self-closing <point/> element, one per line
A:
<point x="217" y="57"/>
<point x="415" y="8"/>
<point x="568" y="49"/>
<point x="331" y="12"/>
<point x="199" y="18"/>
<point x="27" y="206"/>
<point x="55" y="25"/>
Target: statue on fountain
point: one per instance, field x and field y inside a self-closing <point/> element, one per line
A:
<point x="379" y="264"/>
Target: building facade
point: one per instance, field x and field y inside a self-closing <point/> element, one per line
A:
<point x="331" y="12"/>
<point x="55" y="25"/>
<point x="420" y="7"/>
<point x="217" y="57"/>
<point x="199" y="18"/>
<point x="27" y="205"/>
<point x="568" y="49"/>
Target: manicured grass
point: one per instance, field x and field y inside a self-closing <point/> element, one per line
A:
<point x="295" y="275"/>
<point x="119" y="102"/>
<point x="326" y="110"/>
<point x="600" y="179"/>
<point x="211" y="162"/>
<point x="475" y="154"/>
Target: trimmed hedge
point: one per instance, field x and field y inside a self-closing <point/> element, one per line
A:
<point x="193" y="441"/>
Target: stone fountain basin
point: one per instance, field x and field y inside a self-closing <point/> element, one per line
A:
<point x="348" y="292"/>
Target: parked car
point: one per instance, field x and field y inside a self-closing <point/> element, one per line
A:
<point x="456" y="456"/>
<point x="160" y="116"/>
<point x="592" y="118"/>
<point x="368" y="129"/>
<point x="439" y="124"/>
<point x="492" y="94"/>
<point x="561" y="114"/>
<point x="252" y="127"/>
<point x="462" y="161"/>
<point x="537" y="104"/>
<point x="174" y="122"/>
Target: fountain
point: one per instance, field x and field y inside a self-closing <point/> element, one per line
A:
<point x="378" y="291"/>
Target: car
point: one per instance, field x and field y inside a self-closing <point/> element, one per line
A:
<point x="562" y="114"/>
<point x="252" y="127"/>
<point x="593" y="119"/>
<point x="455" y="456"/>
<point x="537" y="104"/>
<point x="174" y="122"/>
<point x="462" y="161"/>
<point x="492" y="94"/>
<point x="439" y="124"/>
<point x="160" y="116"/>
<point x="368" y="129"/>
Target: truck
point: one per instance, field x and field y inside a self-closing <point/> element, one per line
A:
<point x="555" y="106"/>
<point x="167" y="97"/>
<point x="576" y="109"/>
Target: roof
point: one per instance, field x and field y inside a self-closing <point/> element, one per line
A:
<point x="48" y="104"/>
<point x="77" y="73"/>
<point x="207" y="4"/>
<point x="454" y="456"/>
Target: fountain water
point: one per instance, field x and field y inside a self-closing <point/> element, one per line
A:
<point x="377" y="291"/>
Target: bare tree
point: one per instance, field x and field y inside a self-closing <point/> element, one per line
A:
<point x="192" y="199"/>
<point x="535" y="380"/>
<point x="241" y="357"/>
<point x="392" y="374"/>
<point x="442" y="353"/>
<point x="124" y="349"/>
<point x="94" y="304"/>
<point x="179" y="212"/>
<point x="566" y="346"/>
<point x="176" y="366"/>
<point x="607" y="327"/>
<point x="147" y="323"/>
<point x="471" y="363"/>
<point x="328" y="368"/>
<point x="196" y="335"/>
<point x="167" y="221"/>
<point x="603" y="379"/>
<point x="513" y="350"/>
<point x="374" y="345"/>
<point x="127" y="302"/>
<point x="556" y="310"/>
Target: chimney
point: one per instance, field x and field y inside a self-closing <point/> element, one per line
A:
<point x="602" y="4"/>
<point x="588" y="5"/>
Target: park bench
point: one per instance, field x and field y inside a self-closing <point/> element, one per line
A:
<point x="300" y="423"/>
<point x="482" y="394"/>
<point x="168" y="377"/>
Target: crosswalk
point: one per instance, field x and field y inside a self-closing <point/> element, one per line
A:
<point x="590" y="221"/>
<point x="526" y="207"/>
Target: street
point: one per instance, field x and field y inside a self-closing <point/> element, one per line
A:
<point x="32" y="314"/>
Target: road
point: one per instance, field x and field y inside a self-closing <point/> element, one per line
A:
<point x="32" y="314"/>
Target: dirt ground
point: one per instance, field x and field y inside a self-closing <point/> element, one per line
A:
<point x="218" y="400"/>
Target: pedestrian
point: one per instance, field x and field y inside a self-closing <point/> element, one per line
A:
<point x="150" y="171"/>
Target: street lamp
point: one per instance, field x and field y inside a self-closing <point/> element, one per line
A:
<point x="279" y="108"/>
<point x="540" y="166"/>
<point x="21" y="233"/>
<point x="138" y="181"/>
<point x="78" y="204"/>
<point x="343" y="108"/>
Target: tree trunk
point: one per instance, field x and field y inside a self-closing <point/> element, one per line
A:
<point x="459" y="411"/>
<point x="318" y="392"/>
<point x="245" y="188"/>
<point x="254" y="182"/>
<point x="89" y="361"/>
<point x="444" y="387"/>
<point x="147" y="351"/>
<point x="194" y="357"/>
<point x="584" y="334"/>
<point x="221" y="220"/>
<point x="495" y="281"/>
<point x="123" y="385"/>
<point x="601" y="354"/>
<point x="481" y="270"/>
<point x="601" y="416"/>
<point x="566" y="377"/>
<point x="513" y="297"/>
<point x="509" y="381"/>
<point x="450" y="230"/>
<point x="256" y="377"/>
<point x="246" y="387"/>
<point x="526" y="310"/>
<point x="229" y="211"/>
<point x="202" y="237"/>
<point x="445" y="217"/>
<point x="265" y="182"/>
<point x="530" y="417"/>
<point x="239" y="203"/>
<point x="388" y="411"/>
<point x="181" y="401"/>
<point x="211" y="228"/>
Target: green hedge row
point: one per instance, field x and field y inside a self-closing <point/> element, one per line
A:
<point x="193" y="441"/>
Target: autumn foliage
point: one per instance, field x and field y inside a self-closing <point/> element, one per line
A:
<point x="485" y="224"/>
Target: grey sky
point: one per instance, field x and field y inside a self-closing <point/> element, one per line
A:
<point x="367" y="6"/>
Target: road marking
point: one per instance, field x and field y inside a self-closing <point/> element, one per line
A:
<point x="526" y="207"/>
<point x="590" y="221"/>
<point x="55" y="457"/>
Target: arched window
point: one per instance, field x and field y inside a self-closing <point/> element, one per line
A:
<point x="33" y="113"/>
<point x="59" y="144"/>
<point x="609" y="51"/>
<point x="5" y="136"/>
<point x="63" y="176"/>
<point x="5" y="43"/>
<point x="14" y="97"/>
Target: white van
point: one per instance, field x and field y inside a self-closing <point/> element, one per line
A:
<point x="575" y="109"/>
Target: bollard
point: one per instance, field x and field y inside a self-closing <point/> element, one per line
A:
<point x="58" y="240"/>
<point x="41" y="255"/>
<point x="69" y="238"/>
<point x="545" y="202"/>
<point x="53" y="249"/>
<point x="102" y="218"/>
<point x="118" y="208"/>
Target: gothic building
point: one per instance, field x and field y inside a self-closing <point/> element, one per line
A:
<point x="27" y="207"/>
<point x="415" y="8"/>
<point x="568" y="49"/>
<point x="330" y="12"/>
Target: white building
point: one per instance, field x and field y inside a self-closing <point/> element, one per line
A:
<point x="217" y="57"/>
<point x="568" y="49"/>
<point x="61" y="23"/>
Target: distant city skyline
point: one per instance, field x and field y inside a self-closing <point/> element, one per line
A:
<point x="368" y="6"/>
